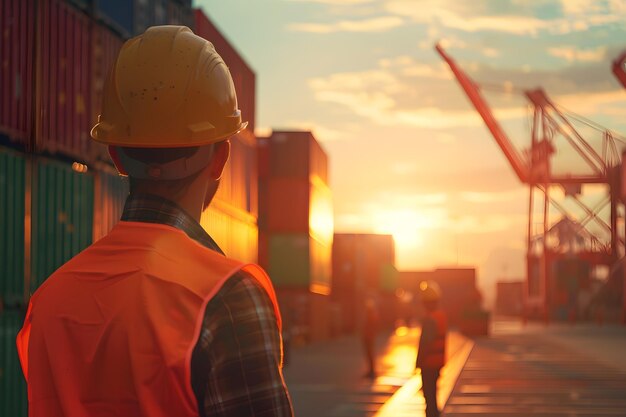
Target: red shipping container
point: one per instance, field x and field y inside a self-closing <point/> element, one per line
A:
<point x="17" y="48"/>
<point x="64" y="81"/>
<point x="290" y="154"/>
<point x="243" y="76"/>
<point x="288" y="209"/>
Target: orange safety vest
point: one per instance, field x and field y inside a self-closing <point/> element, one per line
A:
<point x="111" y="332"/>
<point x="434" y="356"/>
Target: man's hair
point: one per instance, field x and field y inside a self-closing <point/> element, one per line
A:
<point x="160" y="156"/>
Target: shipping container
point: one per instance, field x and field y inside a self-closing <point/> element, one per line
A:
<point x="64" y="81"/>
<point x="62" y="215"/>
<point x="243" y="75"/>
<point x="321" y="220"/>
<point x="289" y="260"/>
<point x="13" y="394"/>
<point x="287" y="202"/>
<point x="149" y="13"/>
<point x="12" y="213"/>
<point x="361" y="261"/>
<point x="133" y="17"/>
<point x="290" y="154"/>
<point x="117" y="14"/>
<point x="509" y="298"/>
<point x="178" y="14"/>
<point x="239" y="181"/>
<point x="111" y="191"/>
<point x="295" y="199"/>
<point x="362" y="267"/>
<point x="17" y="48"/>
<point x="235" y="231"/>
<point x="295" y="212"/>
<point x="106" y="45"/>
<point x="320" y="254"/>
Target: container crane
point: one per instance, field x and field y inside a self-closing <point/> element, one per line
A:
<point x="567" y="248"/>
<point x="619" y="68"/>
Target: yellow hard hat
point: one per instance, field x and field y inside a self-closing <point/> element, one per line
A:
<point x="168" y="88"/>
<point x="430" y="291"/>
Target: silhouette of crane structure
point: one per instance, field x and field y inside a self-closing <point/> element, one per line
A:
<point x="574" y="260"/>
<point x="619" y="68"/>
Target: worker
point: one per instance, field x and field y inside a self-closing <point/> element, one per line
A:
<point x="431" y="353"/>
<point x="153" y="319"/>
<point x="368" y="336"/>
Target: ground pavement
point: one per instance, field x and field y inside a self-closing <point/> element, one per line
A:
<point x="326" y="379"/>
<point x="545" y="371"/>
<point x="520" y="370"/>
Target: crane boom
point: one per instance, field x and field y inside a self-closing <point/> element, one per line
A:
<point x="520" y="166"/>
<point x="619" y="68"/>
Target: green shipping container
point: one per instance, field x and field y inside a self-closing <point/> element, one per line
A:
<point x="298" y="261"/>
<point x="12" y="194"/>
<point x="62" y="216"/>
<point x="13" y="395"/>
<point x="289" y="261"/>
<point x="388" y="278"/>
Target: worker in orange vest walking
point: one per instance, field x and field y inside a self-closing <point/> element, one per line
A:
<point x="153" y="319"/>
<point x="431" y="353"/>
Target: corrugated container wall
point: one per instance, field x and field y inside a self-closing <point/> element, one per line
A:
<point x="13" y="398"/>
<point x="62" y="216"/>
<point x="110" y="194"/>
<point x="12" y="199"/>
<point x="295" y="205"/>
<point x="17" y="46"/>
<point x="132" y="17"/>
<point x="64" y="81"/>
<point x="243" y="75"/>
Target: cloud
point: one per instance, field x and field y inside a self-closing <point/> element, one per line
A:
<point x="321" y="133"/>
<point x="390" y="95"/>
<point x="376" y="24"/>
<point x="592" y="103"/>
<point x="409" y="67"/>
<point x="492" y="197"/>
<point x="333" y="2"/>
<point x="516" y="18"/>
<point x="448" y="14"/>
<point x="571" y="53"/>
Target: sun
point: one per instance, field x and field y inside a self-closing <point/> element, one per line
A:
<point x="404" y="225"/>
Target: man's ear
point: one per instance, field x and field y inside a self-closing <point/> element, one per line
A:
<point x="221" y="152"/>
<point x="116" y="160"/>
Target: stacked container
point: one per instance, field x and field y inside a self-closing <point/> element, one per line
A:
<point x="58" y="190"/>
<point x="132" y="17"/>
<point x="363" y="267"/>
<point x="17" y="46"/>
<point x="296" y="227"/>
<point x="231" y="219"/>
<point x="63" y="81"/>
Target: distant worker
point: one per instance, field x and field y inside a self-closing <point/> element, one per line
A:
<point x="431" y="353"/>
<point x="153" y="319"/>
<point x="368" y="334"/>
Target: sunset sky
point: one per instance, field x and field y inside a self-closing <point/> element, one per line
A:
<point x="409" y="155"/>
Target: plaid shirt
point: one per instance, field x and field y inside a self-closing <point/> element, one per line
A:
<point x="236" y="363"/>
